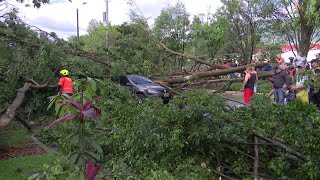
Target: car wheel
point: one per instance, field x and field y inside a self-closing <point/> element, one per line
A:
<point x="140" y="98"/>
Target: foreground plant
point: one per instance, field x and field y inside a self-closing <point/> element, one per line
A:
<point x="81" y="139"/>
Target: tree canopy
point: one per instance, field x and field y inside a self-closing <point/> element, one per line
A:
<point x="194" y="137"/>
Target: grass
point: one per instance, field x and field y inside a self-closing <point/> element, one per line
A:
<point x="18" y="168"/>
<point x="17" y="135"/>
<point x="14" y="134"/>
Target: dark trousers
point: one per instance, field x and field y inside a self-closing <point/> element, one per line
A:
<point x="314" y="98"/>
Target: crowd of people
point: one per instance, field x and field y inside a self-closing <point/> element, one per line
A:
<point x="290" y="80"/>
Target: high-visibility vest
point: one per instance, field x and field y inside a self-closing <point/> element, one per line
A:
<point x="66" y="85"/>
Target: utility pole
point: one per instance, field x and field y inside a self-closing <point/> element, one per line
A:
<point x="106" y="21"/>
<point x="78" y="37"/>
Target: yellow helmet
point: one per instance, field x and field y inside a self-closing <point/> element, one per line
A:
<point x="64" y="72"/>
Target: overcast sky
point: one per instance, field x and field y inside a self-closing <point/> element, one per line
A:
<point x="60" y="15"/>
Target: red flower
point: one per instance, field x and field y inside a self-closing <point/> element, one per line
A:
<point x="85" y="110"/>
<point x="91" y="170"/>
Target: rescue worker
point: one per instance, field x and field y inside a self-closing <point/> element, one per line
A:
<point x="65" y="85"/>
<point x="314" y="95"/>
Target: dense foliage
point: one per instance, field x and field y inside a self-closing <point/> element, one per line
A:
<point x="194" y="137"/>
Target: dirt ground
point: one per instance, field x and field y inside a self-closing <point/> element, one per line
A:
<point x="27" y="149"/>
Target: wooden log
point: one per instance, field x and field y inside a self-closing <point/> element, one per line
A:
<point x="256" y="159"/>
<point x="199" y="75"/>
<point x="11" y="111"/>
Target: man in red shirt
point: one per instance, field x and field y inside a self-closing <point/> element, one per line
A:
<point x="65" y="84"/>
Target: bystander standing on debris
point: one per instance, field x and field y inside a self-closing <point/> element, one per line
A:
<point x="314" y="93"/>
<point x="248" y="85"/>
<point x="279" y="79"/>
<point x="299" y="87"/>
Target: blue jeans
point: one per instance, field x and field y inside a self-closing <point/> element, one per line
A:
<point x="278" y="95"/>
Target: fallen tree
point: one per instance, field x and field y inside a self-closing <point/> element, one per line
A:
<point x="215" y="73"/>
<point x="10" y="113"/>
<point x="214" y="70"/>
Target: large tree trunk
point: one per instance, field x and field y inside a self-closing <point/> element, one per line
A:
<point x="199" y="75"/>
<point x="306" y="33"/>
<point x="11" y="111"/>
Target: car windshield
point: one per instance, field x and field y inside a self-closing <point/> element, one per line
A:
<point x="140" y="80"/>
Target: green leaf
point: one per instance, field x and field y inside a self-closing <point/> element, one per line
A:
<point x="93" y="155"/>
<point x="74" y="138"/>
<point x="57" y="108"/>
<point x="72" y="157"/>
<point x="96" y="146"/>
<point x="92" y="83"/>
<point x="53" y="99"/>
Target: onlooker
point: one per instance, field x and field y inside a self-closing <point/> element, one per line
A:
<point x="307" y="66"/>
<point x="300" y="60"/>
<point x="225" y="62"/>
<point x="233" y="63"/>
<point x="196" y="68"/>
<point x="314" y="96"/>
<point x="268" y="66"/>
<point x="291" y="60"/>
<point x="299" y="87"/>
<point x="280" y="61"/>
<point x="255" y="88"/>
<point x="279" y="78"/>
<point x="243" y="62"/>
<point x="286" y="67"/>
<point x="318" y="56"/>
<point x="248" y="85"/>
<point x="289" y="94"/>
<point x="292" y="71"/>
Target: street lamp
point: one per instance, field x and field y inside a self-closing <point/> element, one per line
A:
<point x="106" y="20"/>
<point x="78" y="38"/>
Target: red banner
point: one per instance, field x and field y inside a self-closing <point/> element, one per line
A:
<point x="287" y="48"/>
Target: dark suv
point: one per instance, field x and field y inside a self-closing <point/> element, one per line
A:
<point x="145" y="87"/>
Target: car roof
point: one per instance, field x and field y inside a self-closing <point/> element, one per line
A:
<point x="132" y="75"/>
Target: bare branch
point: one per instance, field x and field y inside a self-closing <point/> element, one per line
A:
<point x="297" y="154"/>
<point x="5" y="73"/>
<point x="193" y="58"/>
<point x="238" y="151"/>
<point x="225" y="176"/>
<point x="256" y="159"/>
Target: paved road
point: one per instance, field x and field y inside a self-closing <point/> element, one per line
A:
<point x="234" y="99"/>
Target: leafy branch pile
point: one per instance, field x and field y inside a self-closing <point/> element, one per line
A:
<point x="195" y="138"/>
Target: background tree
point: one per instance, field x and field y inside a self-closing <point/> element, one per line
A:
<point x="208" y="38"/>
<point x="246" y="22"/>
<point x="26" y="56"/>
<point x="172" y="28"/>
<point x="299" y="21"/>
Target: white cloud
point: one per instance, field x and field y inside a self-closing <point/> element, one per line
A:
<point x="60" y="15"/>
